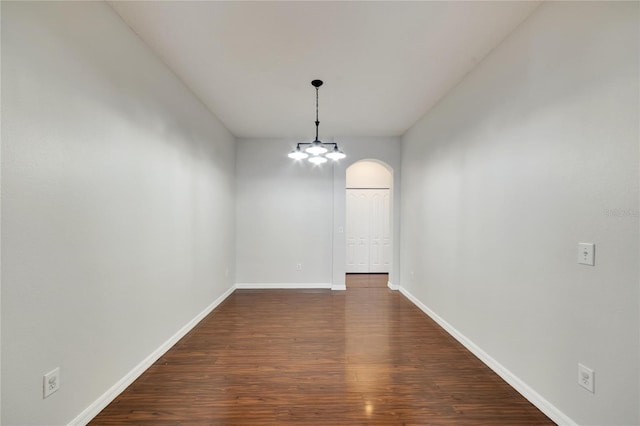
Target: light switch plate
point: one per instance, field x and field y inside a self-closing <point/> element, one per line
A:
<point x="586" y="253"/>
<point x="586" y="378"/>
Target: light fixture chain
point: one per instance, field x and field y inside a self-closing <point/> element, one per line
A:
<point x="317" y="122"/>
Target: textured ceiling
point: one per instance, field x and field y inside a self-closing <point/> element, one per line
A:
<point x="384" y="64"/>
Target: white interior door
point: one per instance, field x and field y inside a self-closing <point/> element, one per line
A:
<point x="368" y="230"/>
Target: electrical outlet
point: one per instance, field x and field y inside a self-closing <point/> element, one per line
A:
<point x="51" y="382"/>
<point x="586" y="378"/>
<point x="586" y="254"/>
<point x="298" y="266"/>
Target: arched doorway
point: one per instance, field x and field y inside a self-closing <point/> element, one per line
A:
<point x="369" y="224"/>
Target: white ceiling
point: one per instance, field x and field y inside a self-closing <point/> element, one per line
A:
<point x="384" y="64"/>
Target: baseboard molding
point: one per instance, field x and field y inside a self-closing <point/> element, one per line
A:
<point x="532" y="396"/>
<point x="339" y="287"/>
<point x="282" y="286"/>
<point x="392" y="286"/>
<point x="91" y="411"/>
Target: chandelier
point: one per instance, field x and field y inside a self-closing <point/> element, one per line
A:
<point x="317" y="152"/>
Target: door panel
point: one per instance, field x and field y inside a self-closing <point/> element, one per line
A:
<point x="375" y="231"/>
<point x="386" y="231"/>
<point x="357" y="233"/>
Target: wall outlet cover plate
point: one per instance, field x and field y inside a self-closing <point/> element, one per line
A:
<point x="50" y="382"/>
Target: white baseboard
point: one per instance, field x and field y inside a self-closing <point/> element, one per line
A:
<point x="532" y="396"/>
<point x="98" y="405"/>
<point x="392" y="286"/>
<point x="284" y="286"/>
<point x="339" y="287"/>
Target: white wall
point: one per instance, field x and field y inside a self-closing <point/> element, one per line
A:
<point x="368" y="174"/>
<point x="289" y="212"/>
<point x="283" y="216"/>
<point x="117" y="206"/>
<point x="532" y="153"/>
<point x="0" y="225"/>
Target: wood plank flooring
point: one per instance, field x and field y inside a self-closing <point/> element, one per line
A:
<point x="367" y="280"/>
<point x="317" y="357"/>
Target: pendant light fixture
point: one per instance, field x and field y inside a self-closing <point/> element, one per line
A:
<point x="317" y="152"/>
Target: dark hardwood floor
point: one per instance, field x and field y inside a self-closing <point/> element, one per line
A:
<point x="361" y="356"/>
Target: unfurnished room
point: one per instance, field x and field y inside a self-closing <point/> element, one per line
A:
<point x="320" y="213"/>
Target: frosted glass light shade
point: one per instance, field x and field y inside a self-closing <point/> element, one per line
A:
<point x="317" y="159"/>
<point x="296" y="154"/>
<point x="336" y="154"/>
<point x="316" y="148"/>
